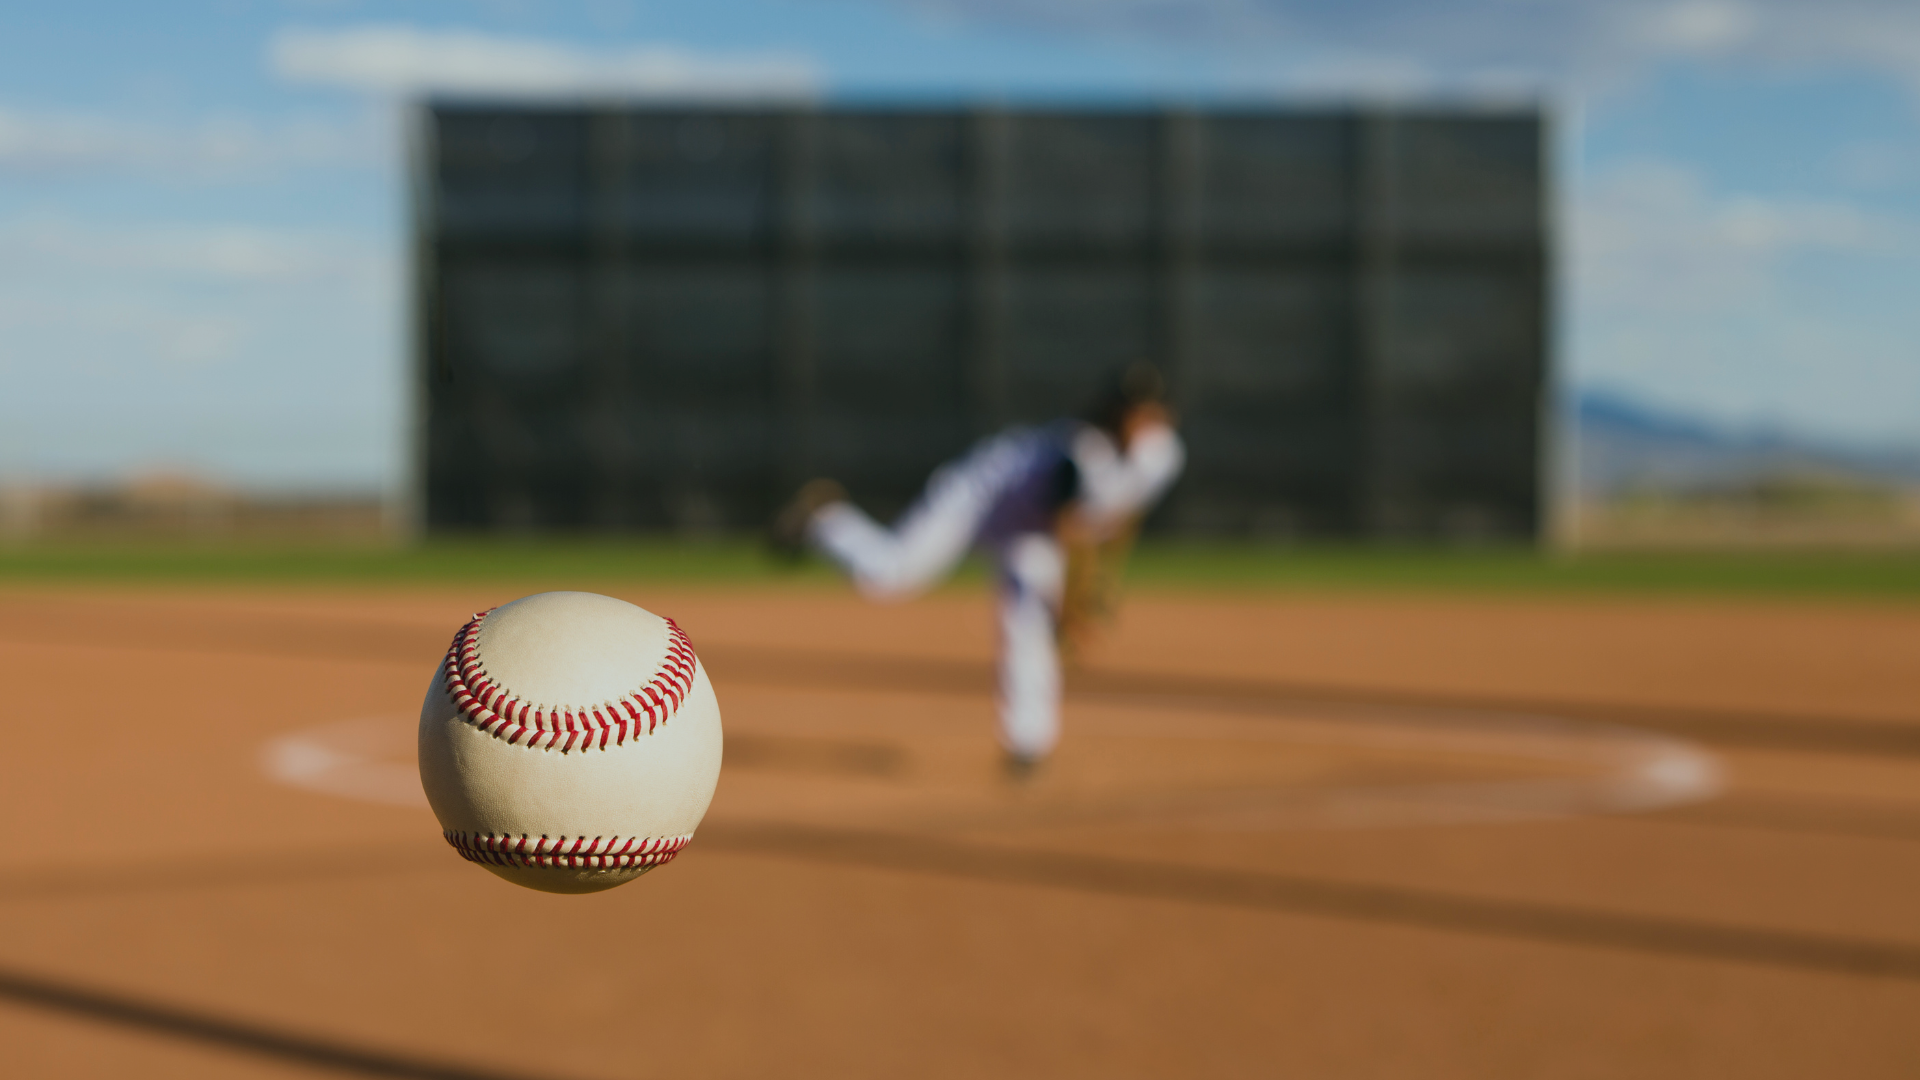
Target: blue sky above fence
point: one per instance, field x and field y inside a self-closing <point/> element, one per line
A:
<point x="202" y="212"/>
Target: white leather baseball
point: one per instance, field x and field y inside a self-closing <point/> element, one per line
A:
<point x="570" y="742"/>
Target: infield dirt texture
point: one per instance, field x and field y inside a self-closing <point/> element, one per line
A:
<point x="1288" y="834"/>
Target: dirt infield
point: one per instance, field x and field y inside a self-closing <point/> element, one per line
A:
<point x="1287" y="835"/>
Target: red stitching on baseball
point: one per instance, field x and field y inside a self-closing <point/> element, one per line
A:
<point x="490" y="707"/>
<point x="546" y="853"/>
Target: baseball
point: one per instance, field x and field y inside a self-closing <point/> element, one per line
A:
<point x="570" y="742"/>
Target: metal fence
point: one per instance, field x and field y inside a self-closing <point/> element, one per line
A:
<point x="648" y="318"/>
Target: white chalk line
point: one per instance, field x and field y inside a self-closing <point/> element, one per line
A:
<point x="1618" y="770"/>
<point x="353" y="759"/>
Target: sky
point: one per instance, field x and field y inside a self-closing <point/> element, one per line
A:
<point x="203" y="212"/>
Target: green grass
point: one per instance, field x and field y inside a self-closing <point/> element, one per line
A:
<point x="436" y="561"/>
<point x="1210" y="567"/>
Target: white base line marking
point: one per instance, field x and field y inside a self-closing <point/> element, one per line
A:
<point x="369" y="759"/>
<point x="1621" y="770"/>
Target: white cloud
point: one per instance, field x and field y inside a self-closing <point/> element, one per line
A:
<point x="60" y="142"/>
<point x="405" y="60"/>
<point x="105" y="299"/>
<point x="263" y="355"/>
<point x="103" y="338"/>
<point x="1576" y="44"/>
<point x="1649" y="235"/>
<point x="1745" y="308"/>
<point x="1699" y="26"/>
<point x="1876" y="164"/>
<point x="36" y="248"/>
<point x="1756" y="224"/>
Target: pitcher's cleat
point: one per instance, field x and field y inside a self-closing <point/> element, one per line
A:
<point x="1021" y="769"/>
<point x="788" y="536"/>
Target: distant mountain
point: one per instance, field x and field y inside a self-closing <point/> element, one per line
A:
<point x="1619" y="443"/>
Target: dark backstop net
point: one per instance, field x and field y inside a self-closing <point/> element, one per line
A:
<point x="666" y="319"/>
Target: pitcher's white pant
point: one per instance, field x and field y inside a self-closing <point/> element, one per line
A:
<point x="1032" y="577"/>
<point x="926" y="544"/>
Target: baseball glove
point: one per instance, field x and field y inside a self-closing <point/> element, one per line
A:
<point x="1091" y="596"/>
